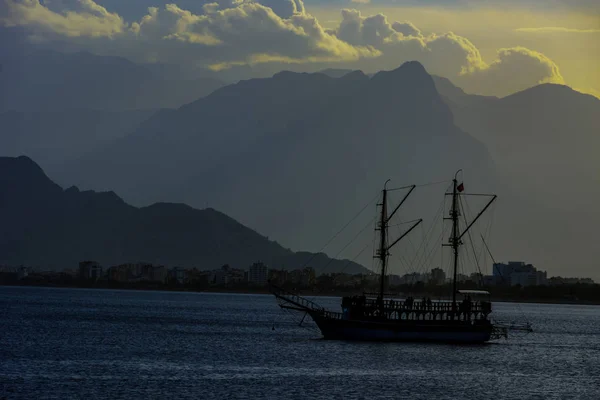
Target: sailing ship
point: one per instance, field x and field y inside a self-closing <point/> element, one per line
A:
<point x="382" y="317"/>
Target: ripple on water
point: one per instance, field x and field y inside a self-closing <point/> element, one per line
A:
<point x="65" y="343"/>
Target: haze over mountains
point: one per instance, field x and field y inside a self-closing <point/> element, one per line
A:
<point x="544" y="141"/>
<point x="46" y="226"/>
<point x="52" y="138"/>
<point x="47" y="80"/>
<point x="295" y="156"/>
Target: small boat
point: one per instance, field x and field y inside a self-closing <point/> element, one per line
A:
<point x="382" y="317"/>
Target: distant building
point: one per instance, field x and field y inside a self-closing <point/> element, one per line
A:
<point x="278" y="276"/>
<point x="558" y="280"/>
<point x="258" y="274"/>
<point x="177" y="275"/>
<point x="14" y="272"/>
<point x="236" y="276"/>
<point x="158" y="274"/>
<point x="413" y="278"/>
<point x="490" y="280"/>
<point x="519" y="273"/>
<point x="90" y="270"/>
<point x="394" y="280"/>
<point x="302" y="277"/>
<point x="227" y="276"/>
<point x="437" y="276"/>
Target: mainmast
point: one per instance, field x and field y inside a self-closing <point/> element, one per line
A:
<point x="454" y="239"/>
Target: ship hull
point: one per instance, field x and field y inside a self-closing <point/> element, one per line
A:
<point x="402" y="331"/>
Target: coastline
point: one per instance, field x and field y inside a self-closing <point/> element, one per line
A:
<point x="265" y="290"/>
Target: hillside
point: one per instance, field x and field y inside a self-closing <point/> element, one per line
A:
<point x="46" y="226"/>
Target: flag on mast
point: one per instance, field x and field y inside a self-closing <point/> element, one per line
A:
<point x="460" y="187"/>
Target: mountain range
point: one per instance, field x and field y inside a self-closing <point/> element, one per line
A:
<point x="296" y="155"/>
<point x="46" y="226"/>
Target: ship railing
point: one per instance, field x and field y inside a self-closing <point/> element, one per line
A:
<point x="332" y="314"/>
<point x="424" y="306"/>
<point x="294" y="299"/>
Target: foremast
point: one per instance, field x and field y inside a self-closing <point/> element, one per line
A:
<point x="383" y="250"/>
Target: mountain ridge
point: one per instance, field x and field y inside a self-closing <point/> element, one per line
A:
<point x="46" y="226"/>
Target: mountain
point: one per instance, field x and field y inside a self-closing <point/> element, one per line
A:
<point x="55" y="137"/>
<point x="46" y="226"/>
<point x="335" y="72"/>
<point x="46" y="80"/>
<point x="295" y="155"/>
<point x="544" y="142"/>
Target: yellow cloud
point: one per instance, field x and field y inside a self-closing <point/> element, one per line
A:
<point x="514" y="69"/>
<point x="264" y="58"/>
<point x="555" y="29"/>
<point x="90" y="19"/>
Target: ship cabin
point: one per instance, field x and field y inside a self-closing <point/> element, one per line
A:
<point x="473" y="308"/>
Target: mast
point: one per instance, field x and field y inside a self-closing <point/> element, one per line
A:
<point x="454" y="240"/>
<point x="383" y="250"/>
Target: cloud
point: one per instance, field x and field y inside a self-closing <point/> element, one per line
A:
<point x="446" y="54"/>
<point x="513" y="70"/>
<point x="449" y="55"/>
<point x="555" y="29"/>
<point x="406" y="28"/>
<point x="230" y="33"/>
<point x="86" y="19"/>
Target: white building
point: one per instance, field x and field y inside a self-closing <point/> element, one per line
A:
<point x="258" y="274"/>
<point x="518" y="273"/>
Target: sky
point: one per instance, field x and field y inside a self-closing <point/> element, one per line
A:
<point x="493" y="47"/>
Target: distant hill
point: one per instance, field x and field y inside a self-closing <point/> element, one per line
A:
<point x="46" y="226"/>
<point x="295" y="155"/>
<point x="45" y="80"/>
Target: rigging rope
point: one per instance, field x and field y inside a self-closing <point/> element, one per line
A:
<point x="421" y="185"/>
<point x="340" y="231"/>
<point x="464" y="214"/>
<point x="348" y="244"/>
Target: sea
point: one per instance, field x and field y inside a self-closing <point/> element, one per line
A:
<point x="114" y="344"/>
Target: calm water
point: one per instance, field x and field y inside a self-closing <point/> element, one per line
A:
<point x="109" y="344"/>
